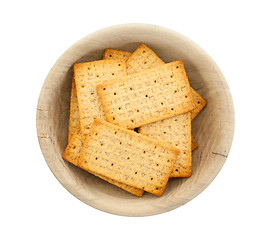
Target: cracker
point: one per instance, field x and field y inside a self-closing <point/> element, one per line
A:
<point x="74" y="111"/>
<point x="72" y="153"/>
<point x="194" y="144"/>
<point x="116" y="54"/>
<point x="200" y="102"/>
<point x="127" y="156"/>
<point x="175" y="131"/>
<point x="87" y="76"/>
<point x="143" y="58"/>
<point x="147" y="96"/>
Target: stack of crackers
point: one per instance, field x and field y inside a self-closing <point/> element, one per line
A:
<point x="130" y="120"/>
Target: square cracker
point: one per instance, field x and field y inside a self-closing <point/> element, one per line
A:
<point x="175" y="131"/>
<point x="72" y="153"/>
<point x="147" y="96"/>
<point x="87" y="76"/>
<point x="116" y="54"/>
<point x="129" y="157"/>
<point x="74" y="111"/>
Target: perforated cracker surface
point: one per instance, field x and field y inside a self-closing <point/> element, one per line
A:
<point x="72" y="154"/>
<point x="127" y="156"/>
<point x="175" y="131"/>
<point x="143" y="58"/>
<point x="148" y="96"/>
<point x="116" y="54"/>
<point x="87" y="76"/>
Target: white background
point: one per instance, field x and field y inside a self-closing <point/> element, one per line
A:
<point x="236" y="34"/>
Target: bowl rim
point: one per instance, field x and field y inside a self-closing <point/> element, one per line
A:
<point x="47" y="146"/>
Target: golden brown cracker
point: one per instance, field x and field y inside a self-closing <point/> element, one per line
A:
<point x="147" y="96"/>
<point x="129" y="157"/>
<point x="72" y="154"/>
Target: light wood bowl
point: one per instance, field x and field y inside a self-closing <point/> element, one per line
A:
<point x="213" y="128"/>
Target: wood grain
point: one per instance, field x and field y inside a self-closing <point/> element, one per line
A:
<point x="213" y="127"/>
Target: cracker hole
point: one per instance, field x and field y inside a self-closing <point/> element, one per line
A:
<point x="131" y="88"/>
<point x="184" y="153"/>
<point x="165" y="132"/>
<point x="137" y="110"/>
<point x="144" y="151"/>
<point x="97" y="75"/>
<point x="162" y="103"/>
<point x="92" y="93"/>
<point x="102" y="144"/>
<point x="132" y="120"/>
<point x="185" y="96"/>
<point x="128" y="158"/>
<point x="175" y="120"/>
<point x="154" y="81"/>
<point x="176" y="145"/>
<point x="177" y="67"/>
<point x="115" y="132"/>
<point x="113" y="73"/>
<point x="119" y="108"/>
<point x="175" y="91"/>
<point x="96" y="134"/>
<point x="172" y="109"/>
<point x="151" y="178"/>
<point x="157" y="164"/>
<point x="176" y="170"/>
<point x="88" y="68"/>
<point x="115" y="93"/>
<point x="104" y="88"/>
<point x="110" y="55"/>
<point x="198" y="102"/>
<point x="145" y="62"/>
<point x="144" y="51"/>
<point x="113" y="118"/>
<point x="83" y="86"/>
<point x="146" y="95"/>
<point x="120" y="143"/>
<point x="112" y="164"/>
<point x="168" y="160"/>
<point x="119" y="64"/>
<point x="135" y="172"/>
<point x="157" y="188"/>
<point x="155" y="147"/>
<point x="96" y="158"/>
<point x="171" y="76"/>
<point x="74" y="147"/>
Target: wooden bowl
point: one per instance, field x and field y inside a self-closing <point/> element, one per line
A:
<point x="213" y="128"/>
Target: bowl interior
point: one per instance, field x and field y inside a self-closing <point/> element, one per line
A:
<point x="212" y="128"/>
